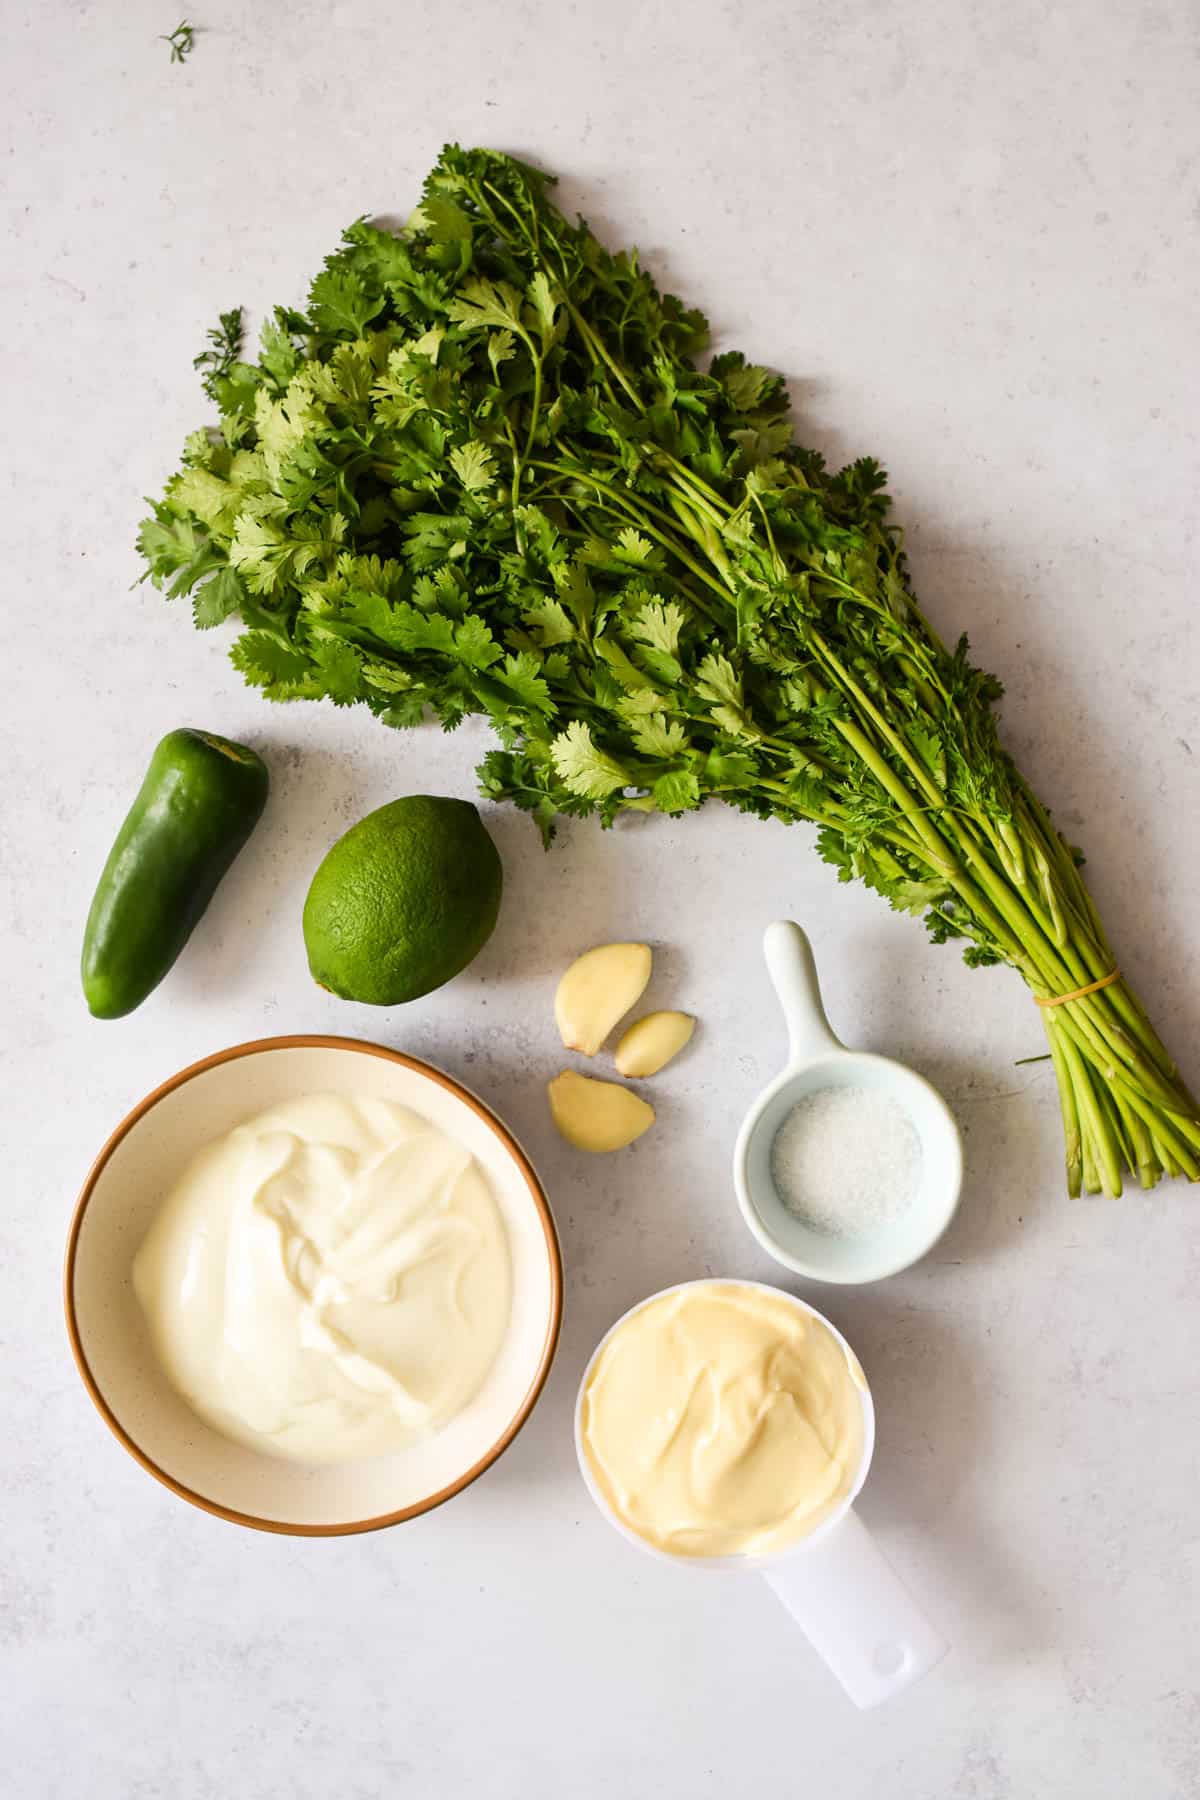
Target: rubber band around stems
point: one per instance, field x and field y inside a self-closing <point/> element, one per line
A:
<point x="1093" y="987"/>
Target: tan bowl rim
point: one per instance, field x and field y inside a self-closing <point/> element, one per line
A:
<point x="537" y="1193"/>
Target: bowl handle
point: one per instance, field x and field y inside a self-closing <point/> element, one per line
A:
<point x="794" y="975"/>
<point x="856" y="1613"/>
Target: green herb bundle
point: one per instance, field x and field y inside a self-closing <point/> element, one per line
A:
<point x="482" y="472"/>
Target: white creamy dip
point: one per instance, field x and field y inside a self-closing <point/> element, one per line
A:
<point x="329" y="1281"/>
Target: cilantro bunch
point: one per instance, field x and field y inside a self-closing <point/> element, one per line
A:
<point x="483" y="472"/>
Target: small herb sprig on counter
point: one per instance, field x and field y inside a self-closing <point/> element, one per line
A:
<point x="180" y="40"/>
<point x="224" y="349"/>
<point x="481" y="472"/>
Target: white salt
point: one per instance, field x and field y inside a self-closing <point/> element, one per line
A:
<point x="846" y="1160"/>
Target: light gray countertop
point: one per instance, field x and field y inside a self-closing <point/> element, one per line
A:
<point x="969" y="233"/>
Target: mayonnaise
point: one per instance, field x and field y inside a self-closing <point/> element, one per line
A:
<point x="723" y="1420"/>
<point x="329" y="1281"/>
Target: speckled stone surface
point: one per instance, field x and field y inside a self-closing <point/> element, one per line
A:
<point x="969" y="233"/>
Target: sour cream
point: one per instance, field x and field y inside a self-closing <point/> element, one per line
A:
<point x="329" y="1281"/>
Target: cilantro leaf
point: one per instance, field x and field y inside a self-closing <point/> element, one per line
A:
<point x="337" y="669"/>
<point x="716" y="679"/>
<point x="475" y="645"/>
<point x="677" y="792"/>
<point x="659" y="626"/>
<point x="522" y="678"/>
<point x="219" y="599"/>
<point x="656" y="735"/>
<point x="224" y="340"/>
<point x="167" y="542"/>
<point x="485" y="305"/>
<point x="340" y="303"/>
<point x="632" y="548"/>
<point x="475" y="465"/>
<point x="548" y="621"/>
<point x="266" y="663"/>
<point x="584" y="769"/>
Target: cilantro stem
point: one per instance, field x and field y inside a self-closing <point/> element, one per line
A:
<point x="535" y="407"/>
<point x="641" y="515"/>
<point x="599" y="348"/>
<point x="721" y="506"/>
<point x="1040" y="957"/>
<point x="1072" y="1139"/>
<point x="698" y="493"/>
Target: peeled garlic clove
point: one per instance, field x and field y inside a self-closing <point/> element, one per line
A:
<point x="650" y="1043"/>
<point x="597" y="991"/>
<point x="597" y="1115"/>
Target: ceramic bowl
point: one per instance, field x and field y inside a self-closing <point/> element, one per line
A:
<point x="816" y="1060"/>
<point x="129" y="1179"/>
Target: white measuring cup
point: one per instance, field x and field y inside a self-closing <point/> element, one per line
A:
<point x="837" y="1584"/>
<point x="816" y="1059"/>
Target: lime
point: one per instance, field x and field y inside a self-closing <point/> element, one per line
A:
<point x="403" y="901"/>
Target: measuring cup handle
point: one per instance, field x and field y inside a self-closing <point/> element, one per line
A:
<point x="856" y="1613"/>
<point x="794" y="974"/>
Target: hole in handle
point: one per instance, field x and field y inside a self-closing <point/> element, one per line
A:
<point x="891" y="1659"/>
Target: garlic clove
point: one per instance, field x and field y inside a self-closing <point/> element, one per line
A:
<point x="651" y="1042"/>
<point x="597" y="1115"/>
<point x="597" y="991"/>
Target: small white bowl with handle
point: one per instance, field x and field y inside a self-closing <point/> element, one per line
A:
<point x="837" y="1583"/>
<point x="817" y="1060"/>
